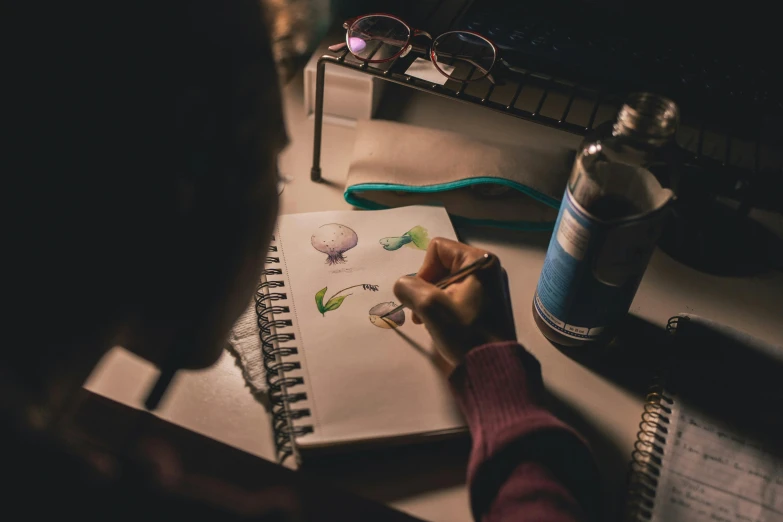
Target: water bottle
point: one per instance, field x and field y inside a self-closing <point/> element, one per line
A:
<point x="611" y="216"/>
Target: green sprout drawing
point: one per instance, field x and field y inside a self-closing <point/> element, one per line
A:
<point x="417" y="238"/>
<point x="334" y="302"/>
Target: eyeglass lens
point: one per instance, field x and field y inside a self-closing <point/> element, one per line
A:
<point x="377" y="37"/>
<point x="471" y="56"/>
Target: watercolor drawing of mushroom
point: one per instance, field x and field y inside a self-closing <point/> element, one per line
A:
<point x="334" y="302"/>
<point x="391" y="321"/>
<point x="417" y="238"/>
<point x="334" y="240"/>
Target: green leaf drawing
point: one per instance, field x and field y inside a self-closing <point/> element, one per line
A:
<point x="319" y="300"/>
<point x="334" y="303"/>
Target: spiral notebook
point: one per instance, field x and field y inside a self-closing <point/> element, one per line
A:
<point x="338" y="372"/>
<point x="710" y="445"/>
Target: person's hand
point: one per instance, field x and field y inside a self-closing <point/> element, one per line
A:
<point x="466" y="314"/>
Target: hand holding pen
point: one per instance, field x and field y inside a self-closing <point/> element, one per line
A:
<point x="469" y="307"/>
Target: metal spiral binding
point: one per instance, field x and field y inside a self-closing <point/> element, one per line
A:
<point x="671" y="326"/>
<point x="647" y="456"/>
<point x="276" y="362"/>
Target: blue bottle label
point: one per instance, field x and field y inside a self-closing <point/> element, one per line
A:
<point x="593" y="269"/>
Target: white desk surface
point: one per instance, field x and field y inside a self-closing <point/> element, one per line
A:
<point x="606" y="408"/>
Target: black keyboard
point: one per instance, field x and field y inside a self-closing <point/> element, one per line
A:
<point x="709" y="73"/>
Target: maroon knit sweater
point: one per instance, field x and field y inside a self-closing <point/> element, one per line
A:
<point x="525" y="464"/>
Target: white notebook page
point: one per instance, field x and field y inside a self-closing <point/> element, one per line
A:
<point x="363" y="382"/>
<point x="710" y="472"/>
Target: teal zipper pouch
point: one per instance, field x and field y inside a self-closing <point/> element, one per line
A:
<point x="479" y="183"/>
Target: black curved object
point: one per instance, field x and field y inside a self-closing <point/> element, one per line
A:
<point x="272" y="322"/>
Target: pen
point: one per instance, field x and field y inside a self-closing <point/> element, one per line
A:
<point x="171" y="364"/>
<point x="159" y="388"/>
<point x="479" y="264"/>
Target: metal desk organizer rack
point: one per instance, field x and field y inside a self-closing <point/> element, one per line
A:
<point x="391" y="73"/>
<point x="749" y="187"/>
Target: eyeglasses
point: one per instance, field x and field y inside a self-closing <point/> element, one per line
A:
<point x="464" y="56"/>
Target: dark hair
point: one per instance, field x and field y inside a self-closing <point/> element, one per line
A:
<point x="121" y="114"/>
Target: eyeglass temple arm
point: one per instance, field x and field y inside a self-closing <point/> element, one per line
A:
<point x="342" y="45"/>
<point x="391" y="41"/>
<point x="464" y="58"/>
<point x="471" y="62"/>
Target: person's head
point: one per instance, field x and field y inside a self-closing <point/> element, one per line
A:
<point x="143" y="141"/>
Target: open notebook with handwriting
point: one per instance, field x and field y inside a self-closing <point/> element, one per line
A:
<point x="711" y="449"/>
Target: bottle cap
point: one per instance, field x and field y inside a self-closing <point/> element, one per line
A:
<point x="648" y="116"/>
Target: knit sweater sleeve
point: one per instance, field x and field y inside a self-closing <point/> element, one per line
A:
<point x="525" y="464"/>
